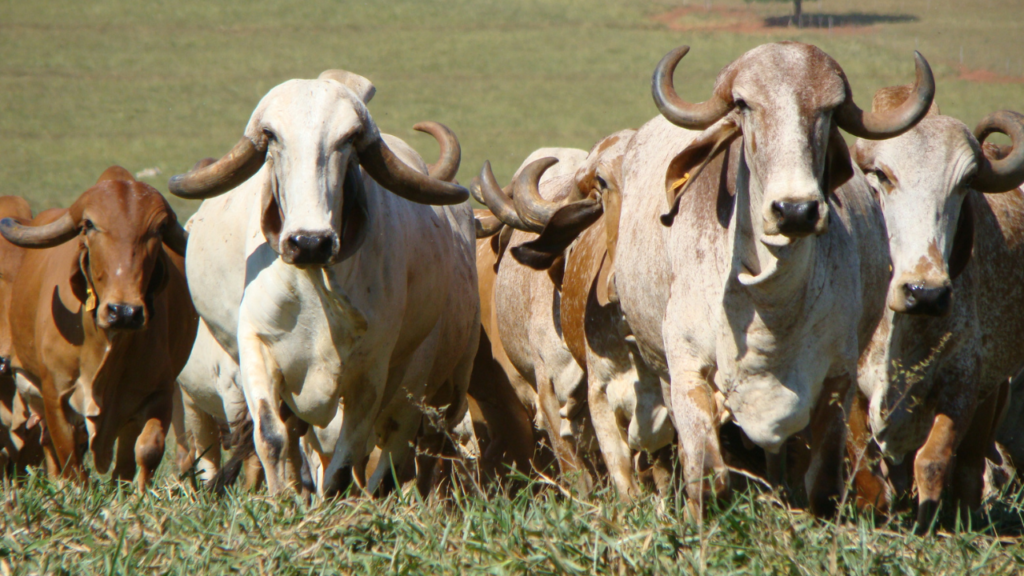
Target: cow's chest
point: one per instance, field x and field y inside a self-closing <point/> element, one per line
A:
<point x="309" y="333"/>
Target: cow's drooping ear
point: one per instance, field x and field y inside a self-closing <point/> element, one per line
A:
<point x="361" y="86"/>
<point x="159" y="278"/>
<point x="963" y="240"/>
<point x="354" y="212"/>
<point x="79" y="281"/>
<point x="687" y="166"/>
<point x="567" y="223"/>
<point x="271" y="220"/>
<point x="838" y="163"/>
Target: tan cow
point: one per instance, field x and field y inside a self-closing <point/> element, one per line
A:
<point x="624" y="398"/>
<point x="937" y="371"/>
<point x="102" y="323"/>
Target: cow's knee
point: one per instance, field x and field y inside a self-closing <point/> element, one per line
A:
<point x="149" y="451"/>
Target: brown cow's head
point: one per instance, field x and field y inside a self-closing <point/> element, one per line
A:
<point x="788" y="101"/>
<point x="122" y="226"/>
<point x="922" y="179"/>
<point x="311" y="137"/>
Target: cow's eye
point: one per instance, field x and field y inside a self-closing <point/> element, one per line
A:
<point x="884" y="181"/>
<point x="88" y="225"/>
<point x="601" y="183"/>
<point x="742" y="104"/>
<point x="271" y="137"/>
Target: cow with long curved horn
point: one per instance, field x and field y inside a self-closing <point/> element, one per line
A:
<point x="101" y="323"/>
<point x="742" y="298"/>
<point x="954" y="305"/>
<point x="338" y="271"/>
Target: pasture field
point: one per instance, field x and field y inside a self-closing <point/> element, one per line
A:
<point x="155" y="86"/>
<point x="56" y="528"/>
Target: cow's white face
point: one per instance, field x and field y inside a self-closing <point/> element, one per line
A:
<point x="311" y="127"/>
<point x="921" y="179"/>
<point x="785" y="94"/>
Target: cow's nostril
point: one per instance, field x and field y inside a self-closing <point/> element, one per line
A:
<point x="311" y="248"/>
<point x="796" y="218"/>
<point x="927" y="301"/>
<point x="124" y="316"/>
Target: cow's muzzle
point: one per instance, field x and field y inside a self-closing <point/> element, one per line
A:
<point x="926" y="300"/>
<point x="125" y="317"/>
<point x="309" y="249"/>
<point x="796" y="219"/>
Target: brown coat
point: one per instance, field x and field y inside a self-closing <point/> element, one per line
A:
<point x="102" y="323"/>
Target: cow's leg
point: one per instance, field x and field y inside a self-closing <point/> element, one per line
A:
<point x="932" y="466"/>
<point x="184" y="457"/>
<point x="253" y="470"/>
<point x="969" y="469"/>
<point x="610" y="436"/>
<point x="149" y="447"/>
<point x="568" y="461"/>
<point x="124" y="460"/>
<point x="363" y="404"/>
<point x="261" y="382"/>
<point x="824" y="478"/>
<point x="696" y="418"/>
<point x="62" y="454"/>
<point x="872" y="489"/>
<point x="508" y="422"/>
<point x="204" y="438"/>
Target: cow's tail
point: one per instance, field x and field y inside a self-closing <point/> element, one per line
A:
<point x="242" y="447"/>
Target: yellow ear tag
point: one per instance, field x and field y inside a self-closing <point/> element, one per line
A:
<point x="90" y="302"/>
<point x="681" y="182"/>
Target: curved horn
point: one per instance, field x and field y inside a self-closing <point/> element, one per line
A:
<point x="891" y="123"/>
<point x="447" y="166"/>
<point x="390" y="172"/>
<point x="487" y="226"/>
<point x="475" y="191"/>
<point x="46" y="236"/>
<point x="176" y="237"/>
<point x="1008" y="173"/>
<point x="235" y="167"/>
<point x="496" y="200"/>
<point x="675" y="109"/>
<point x="533" y="209"/>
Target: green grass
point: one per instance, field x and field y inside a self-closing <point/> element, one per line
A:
<point x="84" y="85"/>
<point x="53" y="527"/>
<point x="161" y="84"/>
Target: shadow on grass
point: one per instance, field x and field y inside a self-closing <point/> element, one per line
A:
<point x="855" y="19"/>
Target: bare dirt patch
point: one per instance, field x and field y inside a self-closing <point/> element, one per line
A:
<point x="718" y="19"/>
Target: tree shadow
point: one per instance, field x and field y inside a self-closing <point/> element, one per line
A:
<point x="853" y="19"/>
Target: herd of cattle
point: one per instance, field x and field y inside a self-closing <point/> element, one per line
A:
<point x="727" y="287"/>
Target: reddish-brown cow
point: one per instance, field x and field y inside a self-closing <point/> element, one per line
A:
<point x="20" y="434"/>
<point x="102" y="323"/>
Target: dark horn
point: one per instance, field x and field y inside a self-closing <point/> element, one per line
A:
<point x="533" y="209"/>
<point x="1007" y="173"/>
<point x="176" y="238"/>
<point x="235" y="167"/>
<point x="499" y="204"/>
<point x="46" y="236"/>
<point x="390" y="172"/>
<point x="675" y="109"/>
<point x="891" y="123"/>
<point x="447" y="166"/>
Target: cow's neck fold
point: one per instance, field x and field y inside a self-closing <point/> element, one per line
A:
<point x="771" y="269"/>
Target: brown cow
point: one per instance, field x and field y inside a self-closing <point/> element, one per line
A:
<point x="102" y="323"/>
<point x="20" y="434"/>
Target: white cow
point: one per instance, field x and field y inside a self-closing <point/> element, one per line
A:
<point x="937" y="367"/>
<point x="762" y="276"/>
<point x="346" y="300"/>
